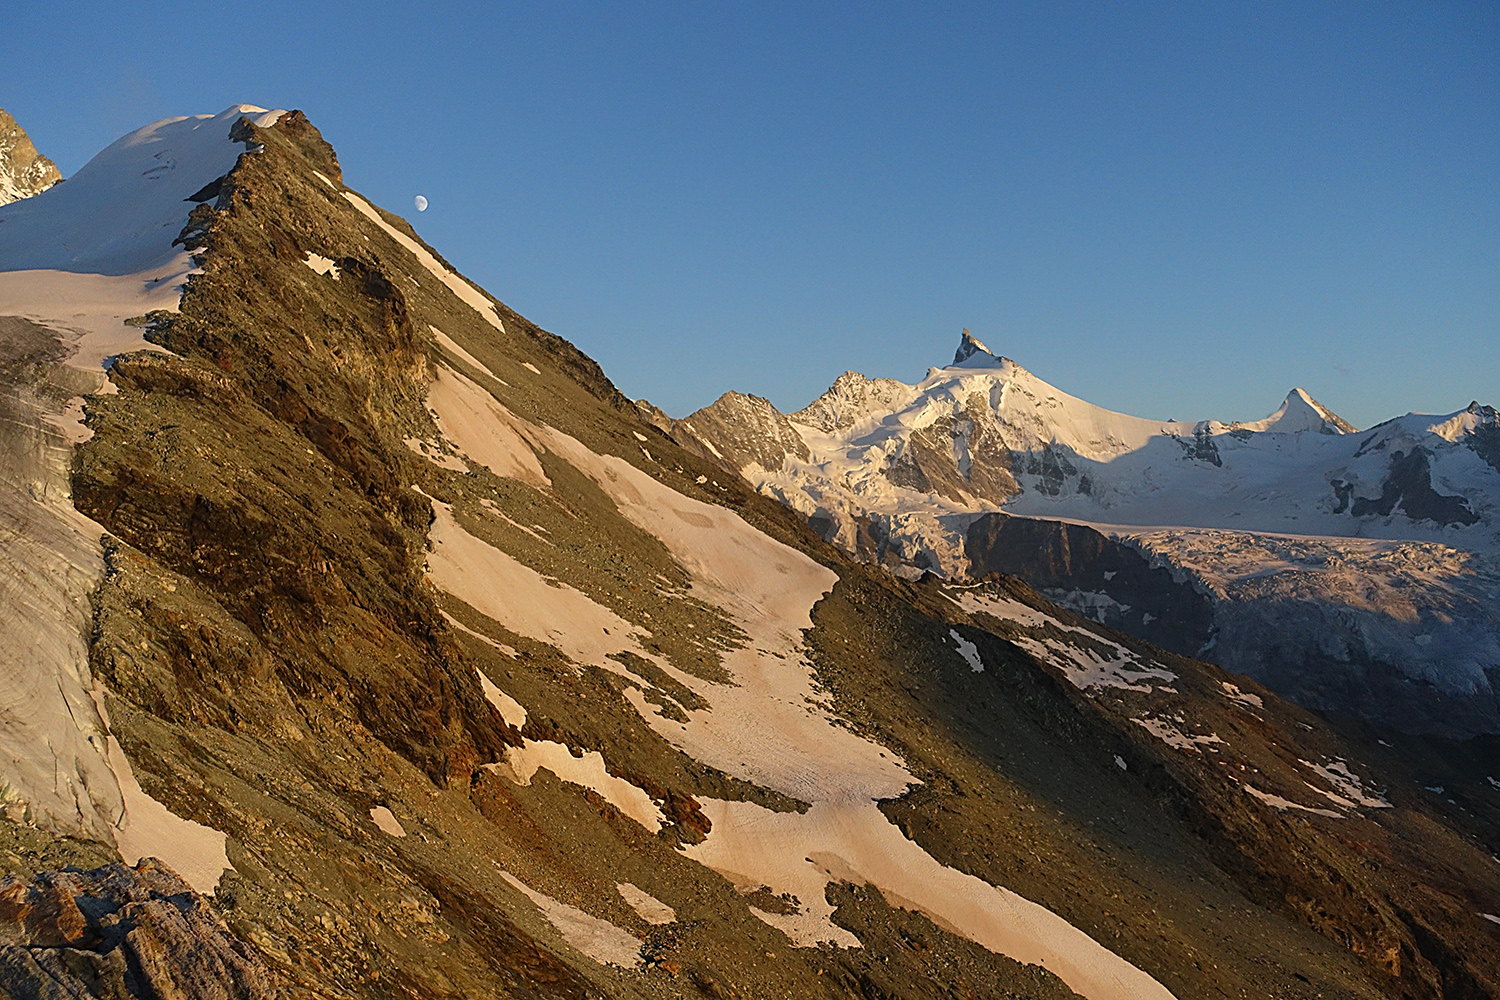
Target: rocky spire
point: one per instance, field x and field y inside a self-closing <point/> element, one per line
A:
<point x="23" y="171"/>
<point x="969" y="346"/>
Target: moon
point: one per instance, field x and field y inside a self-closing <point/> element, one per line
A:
<point x="421" y="202"/>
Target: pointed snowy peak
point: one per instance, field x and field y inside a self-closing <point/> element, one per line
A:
<point x="1335" y="421"/>
<point x="972" y="353"/>
<point x="1300" y="412"/>
<point x="23" y="171"/>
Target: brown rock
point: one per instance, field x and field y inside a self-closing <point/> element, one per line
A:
<point x="23" y="171"/>
<point x="119" y="932"/>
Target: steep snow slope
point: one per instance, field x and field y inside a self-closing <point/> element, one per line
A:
<point x="77" y="261"/>
<point x="122" y="212"/>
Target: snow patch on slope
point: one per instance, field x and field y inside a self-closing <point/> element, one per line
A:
<point x="968" y="651"/>
<point x="148" y="829"/>
<point x="512" y="711"/>
<point x="466" y="292"/>
<point x="588" y="771"/>
<point x="1281" y="804"/>
<point x="321" y="265"/>
<point x="481" y="427"/>
<point x="770" y="729"/>
<point x="448" y="344"/>
<point x="598" y="939"/>
<point x="1233" y="693"/>
<point x="651" y="909"/>
<point x="1087" y="660"/>
<point x="387" y="822"/>
<point x="1168" y="732"/>
<point x="502" y="588"/>
<point x="1349" y="786"/>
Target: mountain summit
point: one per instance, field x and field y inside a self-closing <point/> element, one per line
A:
<point x="23" y="171"/>
<point x="971" y="348"/>
<point x="1300" y="412"/>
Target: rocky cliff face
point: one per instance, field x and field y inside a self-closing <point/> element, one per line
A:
<point x="741" y="431"/>
<point x="23" y="171"/>
<point x="1102" y="578"/>
<point x="482" y="685"/>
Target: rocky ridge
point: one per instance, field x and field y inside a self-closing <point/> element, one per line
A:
<point x="489" y="687"/>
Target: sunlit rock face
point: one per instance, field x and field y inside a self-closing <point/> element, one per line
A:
<point x="23" y="171"/>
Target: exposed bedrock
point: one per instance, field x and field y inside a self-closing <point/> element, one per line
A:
<point x="23" y="171"/>
<point x="1089" y="572"/>
<point x="1419" y="653"/>
<point x="120" y="932"/>
<point x="1409" y="485"/>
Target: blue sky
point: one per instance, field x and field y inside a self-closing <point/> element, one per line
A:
<point x="1171" y="209"/>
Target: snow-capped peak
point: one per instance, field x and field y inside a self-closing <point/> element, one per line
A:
<point x="972" y="353"/>
<point x="120" y="213"/>
<point x="83" y="257"/>
<point x="1300" y="412"/>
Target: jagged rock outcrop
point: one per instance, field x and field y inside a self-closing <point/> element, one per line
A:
<point x="1484" y="438"/>
<point x="850" y="399"/>
<point x="118" y="932"/>
<point x="23" y="171"/>
<point x="970" y="346"/>
<point x="741" y="431"/>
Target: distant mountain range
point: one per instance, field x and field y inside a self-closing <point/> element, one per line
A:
<point x="1355" y="571"/>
